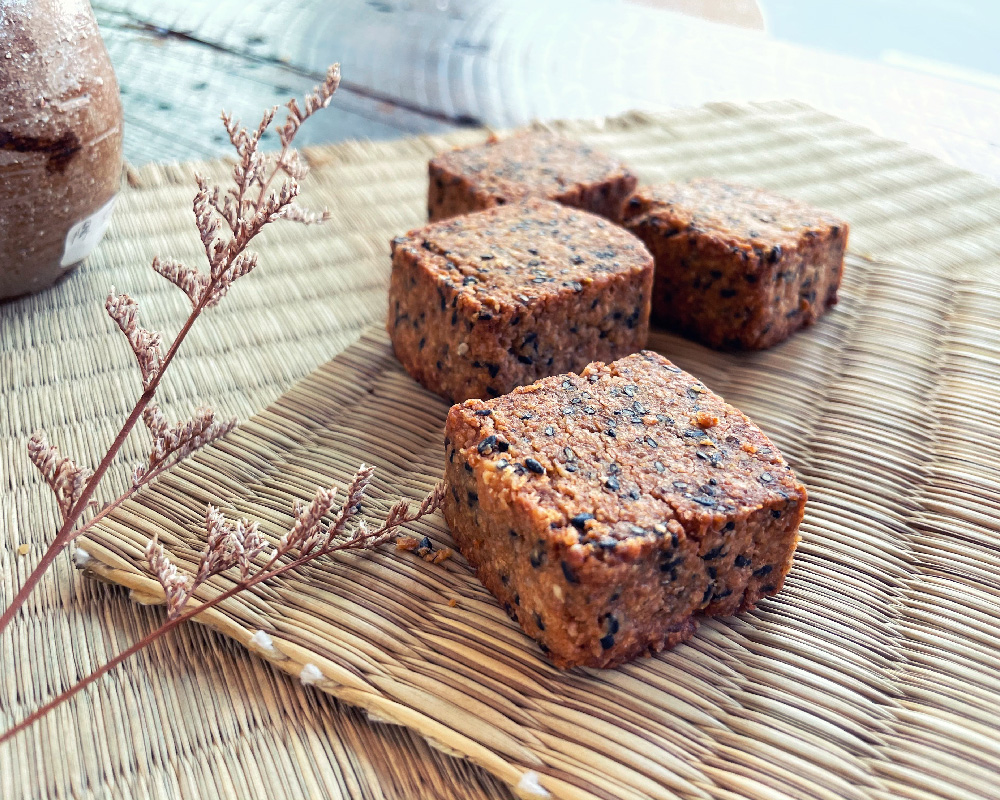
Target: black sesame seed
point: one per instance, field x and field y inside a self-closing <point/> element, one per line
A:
<point x="534" y="466"/>
<point x="550" y="431"/>
<point x="766" y="477"/>
<point x="538" y="621"/>
<point x="473" y="498"/>
<point x="425" y="543"/>
<point x="729" y="526"/>
<point x="487" y="445"/>
<point x="742" y="561"/>
<point x="765" y="570"/>
<point x="720" y="595"/>
<point x="651" y="441"/>
<point x="483" y="412"/>
<point x="537" y="556"/>
<point x="659" y="466"/>
<point x="580" y="520"/>
<point x="769" y="588"/>
<point x="612" y="483"/>
<point x="776" y="513"/>
<point x="569" y="574"/>
<point x="607" y="642"/>
<point x="713" y="553"/>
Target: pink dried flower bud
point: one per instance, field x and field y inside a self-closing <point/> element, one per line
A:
<point x="175" y="586"/>
<point x="145" y="344"/>
<point x="66" y="480"/>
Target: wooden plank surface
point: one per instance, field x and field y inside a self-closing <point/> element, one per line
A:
<point x="413" y="66"/>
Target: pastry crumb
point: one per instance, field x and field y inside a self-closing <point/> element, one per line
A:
<point x="439" y="556"/>
<point x="23" y="549"/>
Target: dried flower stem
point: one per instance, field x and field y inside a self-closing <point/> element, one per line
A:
<point x="301" y="538"/>
<point x="228" y="260"/>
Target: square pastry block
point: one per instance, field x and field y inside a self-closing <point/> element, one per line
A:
<point x="481" y="303"/>
<point x="605" y="510"/>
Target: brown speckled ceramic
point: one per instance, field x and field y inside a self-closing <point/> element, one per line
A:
<point x="60" y="140"/>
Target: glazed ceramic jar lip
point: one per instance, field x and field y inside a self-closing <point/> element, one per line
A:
<point x="60" y="141"/>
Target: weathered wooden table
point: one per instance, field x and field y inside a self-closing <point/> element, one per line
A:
<point x="414" y="66"/>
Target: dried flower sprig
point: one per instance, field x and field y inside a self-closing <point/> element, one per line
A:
<point x="63" y="476"/>
<point x="265" y="188"/>
<point x="234" y="544"/>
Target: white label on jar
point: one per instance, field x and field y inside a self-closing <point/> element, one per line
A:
<point x="84" y="236"/>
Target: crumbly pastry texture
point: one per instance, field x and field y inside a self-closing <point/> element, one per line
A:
<point x="530" y="164"/>
<point x="607" y="510"/>
<point x="481" y="303"/>
<point x="737" y="268"/>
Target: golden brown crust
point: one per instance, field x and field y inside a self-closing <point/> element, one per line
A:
<point x="529" y="164"/>
<point x="485" y="302"/>
<point x="737" y="268"/>
<point x="606" y="509"/>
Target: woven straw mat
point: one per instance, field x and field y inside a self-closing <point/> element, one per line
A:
<point x="874" y="674"/>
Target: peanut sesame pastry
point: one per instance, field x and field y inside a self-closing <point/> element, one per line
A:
<point x="530" y="164"/>
<point x="481" y="303"/>
<point x="606" y="510"/>
<point x="737" y="268"/>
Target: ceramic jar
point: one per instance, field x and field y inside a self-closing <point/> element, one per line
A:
<point x="60" y="140"/>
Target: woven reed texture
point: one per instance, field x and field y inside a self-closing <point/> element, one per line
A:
<point x="873" y="674"/>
